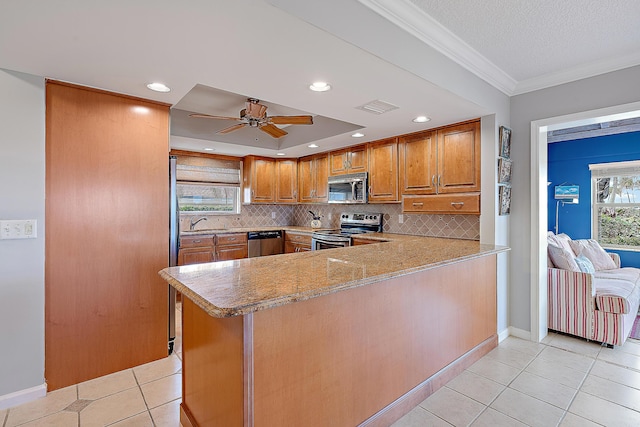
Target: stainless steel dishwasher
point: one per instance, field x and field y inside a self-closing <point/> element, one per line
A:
<point x="262" y="243"/>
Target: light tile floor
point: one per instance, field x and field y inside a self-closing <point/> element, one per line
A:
<point x="563" y="381"/>
<point x="147" y="395"/>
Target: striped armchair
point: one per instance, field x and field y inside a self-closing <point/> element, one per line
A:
<point x="600" y="306"/>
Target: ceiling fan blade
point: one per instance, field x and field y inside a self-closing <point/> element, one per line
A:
<point x="231" y="128"/>
<point x="272" y="130"/>
<point x="207" y="116"/>
<point x="291" y="120"/>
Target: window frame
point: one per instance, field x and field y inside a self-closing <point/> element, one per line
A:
<point x="611" y="170"/>
<point x="237" y="202"/>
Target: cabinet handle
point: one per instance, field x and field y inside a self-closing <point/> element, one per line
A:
<point x="197" y="241"/>
<point x="439" y="180"/>
<point x="457" y="204"/>
<point x="417" y="204"/>
<point x="344" y="164"/>
<point x="370" y="191"/>
<point x="231" y="238"/>
<point x="348" y="164"/>
<point x="433" y="180"/>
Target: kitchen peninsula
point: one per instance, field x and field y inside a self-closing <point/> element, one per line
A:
<point x="348" y="336"/>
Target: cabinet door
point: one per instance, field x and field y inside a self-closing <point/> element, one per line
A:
<point x="286" y="181"/>
<point x="383" y="176"/>
<point x="338" y="162"/>
<point x="349" y="160"/>
<point x="357" y="159"/>
<point x="305" y="179"/>
<point x="459" y="158"/>
<point x="195" y="256"/>
<point x="259" y="180"/>
<point x="262" y="181"/>
<point x="417" y="159"/>
<point x="230" y="252"/>
<point x="321" y="184"/>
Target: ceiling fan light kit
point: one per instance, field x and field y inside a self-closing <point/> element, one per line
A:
<point x="255" y="115"/>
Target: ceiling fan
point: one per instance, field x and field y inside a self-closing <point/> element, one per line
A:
<point x="255" y="115"/>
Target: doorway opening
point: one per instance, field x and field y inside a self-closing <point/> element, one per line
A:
<point x="539" y="226"/>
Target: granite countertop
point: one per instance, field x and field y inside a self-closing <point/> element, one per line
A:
<point x="210" y="231"/>
<point x="231" y="288"/>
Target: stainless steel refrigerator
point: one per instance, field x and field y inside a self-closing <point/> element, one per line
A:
<point x="174" y="234"/>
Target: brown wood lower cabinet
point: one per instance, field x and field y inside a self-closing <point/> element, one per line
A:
<point x="196" y="249"/>
<point x="356" y="241"/>
<point x="231" y="246"/>
<point x="363" y="356"/>
<point x="296" y="242"/>
<point x="208" y="248"/>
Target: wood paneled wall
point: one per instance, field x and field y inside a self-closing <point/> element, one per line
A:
<point x="107" y="233"/>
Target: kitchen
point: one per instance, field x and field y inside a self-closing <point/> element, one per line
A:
<point x="237" y="291"/>
<point x="249" y="217"/>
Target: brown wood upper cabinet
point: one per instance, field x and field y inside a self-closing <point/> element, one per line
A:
<point x="259" y="182"/>
<point x="383" y="171"/>
<point x="446" y="160"/>
<point x="286" y="181"/>
<point x="348" y="160"/>
<point x="313" y="173"/>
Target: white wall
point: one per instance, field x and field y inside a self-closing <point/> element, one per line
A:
<point x="607" y="90"/>
<point x="22" y="184"/>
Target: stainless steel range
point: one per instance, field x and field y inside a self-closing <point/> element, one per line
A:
<point x="350" y="224"/>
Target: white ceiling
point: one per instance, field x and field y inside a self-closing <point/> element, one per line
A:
<point x="253" y="48"/>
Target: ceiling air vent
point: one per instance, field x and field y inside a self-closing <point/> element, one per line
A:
<point x="377" y="107"/>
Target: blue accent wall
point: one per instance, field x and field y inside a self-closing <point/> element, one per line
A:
<point x="568" y="164"/>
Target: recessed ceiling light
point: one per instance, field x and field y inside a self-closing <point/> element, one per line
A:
<point x="280" y="154"/>
<point x="312" y="146"/>
<point x="421" y="119"/>
<point x="320" y="86"/>
<point x="209" y="149"/>
<point x="158" y="87"/>
<point x="357" y="135"/>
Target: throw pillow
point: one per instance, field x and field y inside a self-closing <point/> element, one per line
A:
<point x="592" y="250"/>
<point x="584" y="264"/>
<point x="562" y="258"/>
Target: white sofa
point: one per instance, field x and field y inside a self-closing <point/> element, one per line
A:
<point x="598" y="304"/>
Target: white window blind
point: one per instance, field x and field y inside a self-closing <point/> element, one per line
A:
<point x="621" y="169"/>
<point x="193" y="169"/>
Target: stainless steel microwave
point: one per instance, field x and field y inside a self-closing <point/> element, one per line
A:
<point x="351" y="188"/>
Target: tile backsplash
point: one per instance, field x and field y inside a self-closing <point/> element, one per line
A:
<point x="451" y="226"/>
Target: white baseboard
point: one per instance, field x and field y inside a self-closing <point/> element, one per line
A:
<point x="520" y="333"/>
<point x="513" y="332"/>
<point x="503" y="335"/>
<point x="23" y="396"/>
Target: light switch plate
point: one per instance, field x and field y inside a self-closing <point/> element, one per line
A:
<point x="400" y="219"/>
<point x="18" y="229"/>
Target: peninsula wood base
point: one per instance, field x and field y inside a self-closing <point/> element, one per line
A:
<point x="363" y="356"/>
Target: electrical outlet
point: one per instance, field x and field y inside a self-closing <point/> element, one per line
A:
<point x="273" y="215"/>
<point x="400" y="218"/>
<point x="18" y="229"/>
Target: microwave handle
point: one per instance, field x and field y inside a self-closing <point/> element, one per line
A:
<point x="353" y="190"/>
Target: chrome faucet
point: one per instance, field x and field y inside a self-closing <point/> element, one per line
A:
<point x="193" y="223"/>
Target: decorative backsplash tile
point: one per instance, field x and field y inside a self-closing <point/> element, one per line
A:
<point x="451" y="226"/>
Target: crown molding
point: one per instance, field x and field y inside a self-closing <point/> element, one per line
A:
<point x="577" y="73"/>
<point x="416" y="22"/>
